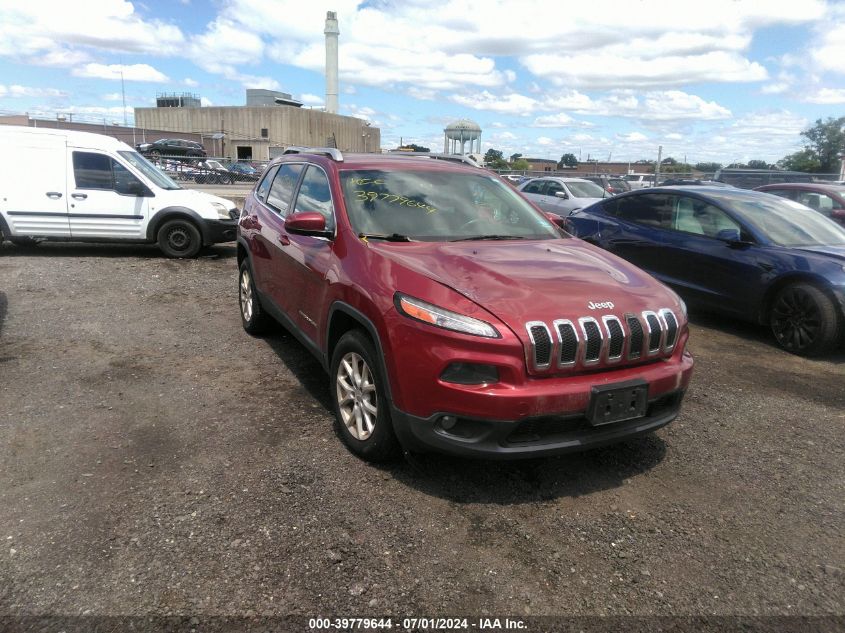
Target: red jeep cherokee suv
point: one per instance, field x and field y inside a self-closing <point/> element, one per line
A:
<point x="451" y="314"/>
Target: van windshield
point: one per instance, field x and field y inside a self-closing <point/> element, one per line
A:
<point x="159" y="178"/>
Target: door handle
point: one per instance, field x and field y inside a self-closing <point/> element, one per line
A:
<point x="54" y="194"/>
<point x="79" y="196"/>
<point x="284" y="240"/>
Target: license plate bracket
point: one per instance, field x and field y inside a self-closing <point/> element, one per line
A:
<point x="618" y="402"/>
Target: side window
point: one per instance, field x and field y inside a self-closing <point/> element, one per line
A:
<point x="650" y="210"/>
<point x="264" y="187"/>
<point x="315" y="195"/>
<point x="818" y="201"/>
<point x="281" y="191"/>
<point x="783" y="193"/>
<point x="698" y="217"/>
<point x="92" y="171"/>
<point x="125" y="182"/>
<point x="553" y="187"/>
<point x="534" y="187"/>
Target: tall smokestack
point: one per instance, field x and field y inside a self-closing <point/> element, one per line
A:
<point x="332" y="33"/>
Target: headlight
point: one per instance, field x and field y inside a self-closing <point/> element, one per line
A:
<point x="440" y="317"/>
<point x="222" y="211"/>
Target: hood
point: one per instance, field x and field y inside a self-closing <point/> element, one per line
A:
<point x="837" y="252"/>
<point x="537" y="280"/>
<point x="192" y="197"/>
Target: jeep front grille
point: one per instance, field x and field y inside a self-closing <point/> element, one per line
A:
<point x="589" y="340"/>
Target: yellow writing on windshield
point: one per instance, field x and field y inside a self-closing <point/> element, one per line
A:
<point x="390" y="198"/>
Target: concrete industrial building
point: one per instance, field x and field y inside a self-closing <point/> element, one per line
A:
<point x="263" y="132"/>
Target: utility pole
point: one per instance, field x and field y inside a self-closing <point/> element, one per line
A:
<point x="657" y="167"/>
<point x="123" y="93"/>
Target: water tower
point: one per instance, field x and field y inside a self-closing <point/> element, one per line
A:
<point x="458" y="134"/>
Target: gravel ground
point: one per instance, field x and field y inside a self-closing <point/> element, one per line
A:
<point x="155" y="460"/>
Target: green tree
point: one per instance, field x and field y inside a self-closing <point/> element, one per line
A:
<point x="708" y="166"/>
<point x="494" y="160"/>
<point x="515" y="157"/>
<point x="805" y="160"/>
<point x="827" y="141"/>
<point x="567" y="160"/>
<point x="413" y="147"/>
<point x="759" y="164"/>
<point x="520" y="164"/>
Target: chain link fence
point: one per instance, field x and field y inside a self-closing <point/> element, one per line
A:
<point x="209" y="170"/>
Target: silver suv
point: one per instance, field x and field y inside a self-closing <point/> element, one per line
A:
<point x="562" y="196"/>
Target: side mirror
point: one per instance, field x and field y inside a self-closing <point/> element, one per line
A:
<point x="307" y="223"/>
<point x="133" y="188"/>
<point x="562" y="194"/>
<point x="555" y="219"/>
<point x="728" y="235"/>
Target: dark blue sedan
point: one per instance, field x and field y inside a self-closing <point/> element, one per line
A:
<point x="747" y="254"/>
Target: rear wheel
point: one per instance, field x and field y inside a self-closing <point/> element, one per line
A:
<point x="804" y="320"/>
<point x="179" y="238"/>
<point x="358" y="396"/>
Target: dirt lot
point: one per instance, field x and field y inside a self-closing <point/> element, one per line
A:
<point x="154" y="459"/>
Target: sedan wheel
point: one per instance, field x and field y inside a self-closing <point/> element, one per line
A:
<point x="804" y="320"/>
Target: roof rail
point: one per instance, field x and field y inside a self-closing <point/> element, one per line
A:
<point x="456" y="158"/>
<point x="332" y="152"/>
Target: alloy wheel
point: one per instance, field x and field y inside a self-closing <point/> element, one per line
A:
<point x="246" y="295"/>
<point x="796" y="319"/>
<point x="356" y="396"/>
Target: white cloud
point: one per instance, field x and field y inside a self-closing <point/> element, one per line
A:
<point x="27" y="91"/>
<point x="131" y="72"/>
<point x="309" y="99"/>
<point x="191" y="83"/>
<point x="829" y="54"/>
<point x="554" y="120"/>
<point x="512" y="103"/>
<point x="632" y="137"/>
<point x="826" y="96"/>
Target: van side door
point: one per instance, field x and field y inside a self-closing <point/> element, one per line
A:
<point x="105" y="199"/>
<point x="34" y="187"/>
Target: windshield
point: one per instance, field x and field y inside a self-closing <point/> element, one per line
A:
<point x="439" y="206"/>
<point x="585" y="189"/>
<point x="149" y="170"/>
<point x="784" y="222"/>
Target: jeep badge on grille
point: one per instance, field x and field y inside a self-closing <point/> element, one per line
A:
<point x="605" y="305"/>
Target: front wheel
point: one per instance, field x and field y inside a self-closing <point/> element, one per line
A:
<point x="804" y="320"/>
<point x="179" y="238"/>
<point x="253" y="317"/>
<point x="358" y="395"/>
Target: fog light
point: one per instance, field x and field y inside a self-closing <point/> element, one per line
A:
<point x="447" y="422"/>
<point x="470" y="374"/>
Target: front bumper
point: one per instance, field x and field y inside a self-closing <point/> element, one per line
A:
<point x="216" y="231"/>
<point x="530" y="437"/>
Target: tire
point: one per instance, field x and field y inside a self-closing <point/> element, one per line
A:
<point x="362" y="415"/>
<point x="253" y="317"/>
<point x="804" y="320"/>
<point x="179" y="238"/>
<point x="155" y="154"/>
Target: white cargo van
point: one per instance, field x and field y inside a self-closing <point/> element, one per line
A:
<point x="77" y="186"/>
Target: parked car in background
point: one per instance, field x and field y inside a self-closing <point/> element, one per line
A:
<point x="91" y="187"/>
<point x="450" y="314"/>
<point x="611" y="184"/>
<point x="747" y="254"/>
<point x="212" y="172"/>
<point x="243" y="172"/>
<point x="172" y="147"/>
<point x="829" y="200"/>
<point x="639" y="181"/>
<point x="753" y="178"/>
<point x="561" y="196"/>
<point x="692" y="182"/>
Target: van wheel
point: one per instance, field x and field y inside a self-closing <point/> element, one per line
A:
<point x="253" y="317"/>
<point x="360" y="406"/>
<point x="179" y="238"/>
<point x="804" y="320"/>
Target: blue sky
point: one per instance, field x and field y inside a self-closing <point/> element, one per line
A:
<point x="721" y="81"/>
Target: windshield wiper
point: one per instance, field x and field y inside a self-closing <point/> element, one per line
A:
<point x="393" y="237"/>
<point x="489" y="237"/>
